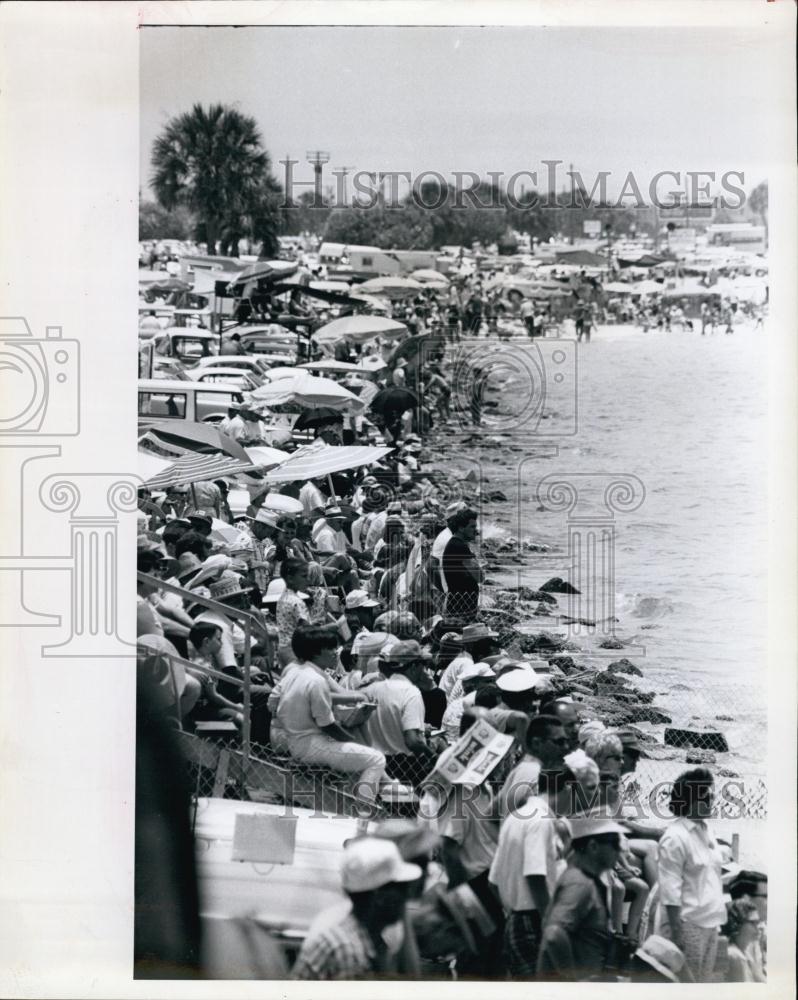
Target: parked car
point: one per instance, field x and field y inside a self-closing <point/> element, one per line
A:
<point x="252" y="364"/>
<point x="175" y="399"/>
<point x="245" y="381"/>
<point x="188" y="344"/>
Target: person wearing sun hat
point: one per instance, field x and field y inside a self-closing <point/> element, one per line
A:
<point x="658" y="960"/>
<point x="397" y="726"/>
<point x="349" y="940"/>
<point x="261" y="559"/>
<point x="359" y="613"/>
<point x="327" y="535"/>
<point x="201" y="521"/>
<point x="477" y="641"/>
<point x="576" y="932"/>
<point x="228" y="590"/>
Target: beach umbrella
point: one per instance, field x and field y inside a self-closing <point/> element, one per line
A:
<point x="318" y="460"/>
<point x="264" y="270"/>
<point x="311" y="419"/>
<point x="647" y="287"/>
<point x="413" y="348"/>
<point x="331" y="365"/>
<point x="224" y="533"/>
<point x="371" y="363"/>
<point x="358" y="329"/>
<point x="176" y="437"/>
<point x="148" y="466"/>
<point x="391" y="287"/>
<point x="308" y="391"/>
<point x="262" y="456"/>
<point x="370" y="301"/>
<point x="619" y="287"/>
<point x="428" y="276"/>
<point x="196" y="468"/>
<point x="394" y="399"/>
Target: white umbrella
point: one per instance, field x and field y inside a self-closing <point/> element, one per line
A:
<point x="358" y="329"/>
<point x="393" y="288"/>
<point x="263" y="456"/>
<point x="331" y="365"/>
<point x="308" y="391"/>
<point x="224" y="533"/>
<point x="427" y="276"/>
<point x="371" y="363"/>
<point x="379" y="305"/>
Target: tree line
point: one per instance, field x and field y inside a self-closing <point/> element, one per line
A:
<point x="213" y="182"/>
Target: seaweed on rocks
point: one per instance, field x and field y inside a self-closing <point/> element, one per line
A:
<point x="527" y="594"/>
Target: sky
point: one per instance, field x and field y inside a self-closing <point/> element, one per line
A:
<point x="479" y="99"/>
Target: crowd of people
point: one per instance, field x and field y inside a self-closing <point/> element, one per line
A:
<point x="355" y="621"/>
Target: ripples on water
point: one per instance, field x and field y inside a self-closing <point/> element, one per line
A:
<point x="687" y="415"/>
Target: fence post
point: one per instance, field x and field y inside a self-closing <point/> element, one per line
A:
<point x="245" y="729"/>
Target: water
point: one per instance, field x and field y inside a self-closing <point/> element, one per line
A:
<point x="687" y="415"/>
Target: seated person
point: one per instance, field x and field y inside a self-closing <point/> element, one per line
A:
<point x="205" y="641"/>
<point x="305" y="714"/>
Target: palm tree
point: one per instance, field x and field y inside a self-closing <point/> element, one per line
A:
<point x="212" y="162"/>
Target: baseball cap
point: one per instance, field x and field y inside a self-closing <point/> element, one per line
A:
<point x="372" y="862"/>
<point x="359" y="599"/>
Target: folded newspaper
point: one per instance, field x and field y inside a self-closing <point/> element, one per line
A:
<point x="474" y="756"/>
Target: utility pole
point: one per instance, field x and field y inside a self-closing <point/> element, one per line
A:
<point x="317" y="158"/>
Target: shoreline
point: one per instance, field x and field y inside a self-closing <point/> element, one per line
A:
<point x="611" y="685"/>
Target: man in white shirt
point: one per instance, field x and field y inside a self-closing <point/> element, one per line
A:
<point x="397" y="726"/>
<point x="233" y="424"/>
<point x="327" y="535"/>
<point x="525" y="870"/>
<point x="312" y="500"/>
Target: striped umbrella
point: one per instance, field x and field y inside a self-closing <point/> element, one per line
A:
<point x="197" y="468"/>
<point x="317" y="460"/>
